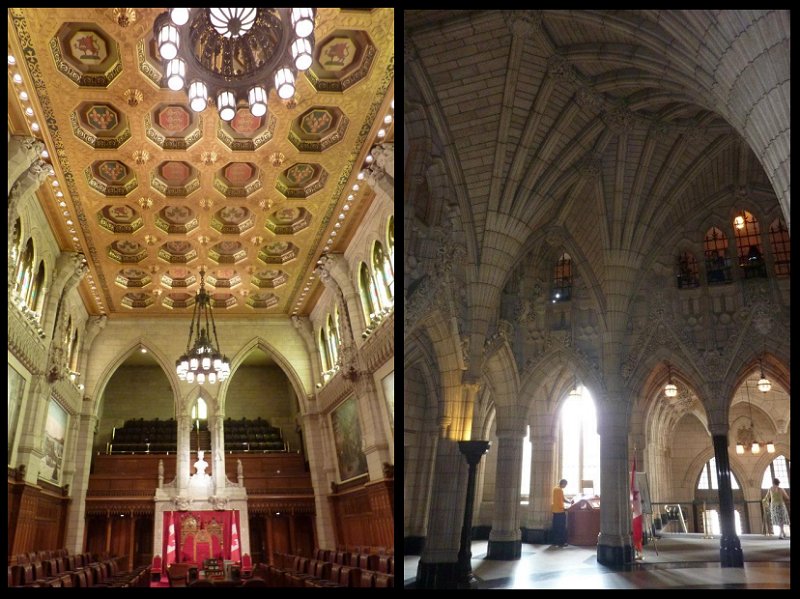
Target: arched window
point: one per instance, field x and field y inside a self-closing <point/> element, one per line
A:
<point x="369" y="299"/>
<point x="383" y="275"/>
<point x="562" y="279"/>
<point x="390" y="239"/>
<point x="67" y="340"/>
<point x="688" y="275"/>
<point x="336" y="325"/>
<point x="333" y="341"/>
<point x="200" y="410"/>
<point x="778" y="468"/>
<point x="35" y="296"/>
<point x="707" y="481"/>
<point x="779" y="239"/>
<point x="15" y="241"/>
<point x="708" y="477"/>
<point x="324" y="358"/>
<point x="525" y="479"/>
<point x="580" y="443"/>
<point x="715" y="249"/>
<point x="25" y="270"/>
<point x="748" y="245"/>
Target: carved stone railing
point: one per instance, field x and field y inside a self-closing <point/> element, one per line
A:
<point x="25" y="339"/>
<point x="65" y="390"/>
<point x="379" y="346"/>
<point x="335" y="389"/>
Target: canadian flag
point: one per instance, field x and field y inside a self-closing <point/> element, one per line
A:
<point x="235" y="554"/>
<point x="636" y="507"/>
<point x="170" y="541"/>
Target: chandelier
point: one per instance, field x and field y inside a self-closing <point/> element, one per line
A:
<point x="202" y="361"/>
<point x="746" y="436"/>
<point x="234" y="56"/>
<point x="670" y="390"/>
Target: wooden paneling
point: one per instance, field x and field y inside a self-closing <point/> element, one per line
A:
<point x="279" y="540"/>
<point x="364" y="514"/>
<point x="36" y="516"/>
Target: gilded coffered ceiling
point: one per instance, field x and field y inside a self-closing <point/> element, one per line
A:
<point x="151" y="192"/>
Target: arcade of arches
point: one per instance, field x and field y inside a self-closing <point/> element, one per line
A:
<point x="597" y="202"/>
<point x="109" y="226"/>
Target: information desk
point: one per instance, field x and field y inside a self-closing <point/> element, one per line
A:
<point x="583" y="522"/>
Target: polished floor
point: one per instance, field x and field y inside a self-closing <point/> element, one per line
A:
<point x="674" y="561"/>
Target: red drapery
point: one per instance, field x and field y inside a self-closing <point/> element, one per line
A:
<point x="200" y="535"/>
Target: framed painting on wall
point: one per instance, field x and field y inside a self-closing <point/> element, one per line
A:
<point x="347" y="437"/>
<point x="16" y="388"/>
<point x="55" y="434"/>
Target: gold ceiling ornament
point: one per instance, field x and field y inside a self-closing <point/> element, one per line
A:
<point x="277" y="158"/>
<point x="150" y="239"/>
<point x="203" y="239"/>
<point x="154" y="269"/>
<point x="244" y="292"/>
<point x="291" y="103"/>
<point x="133" y="96"/>
<point x="157" y="292"/>
<point x="124" y="16"/>
<point x="208" y="158"/>
<point x="206" y="203"/>
<point x="145" y="203"/>
<point x="257" y="240"/>
<point x="141" y="157"/>
<point x="234" y="56"/>
<point x="265" y="204"/>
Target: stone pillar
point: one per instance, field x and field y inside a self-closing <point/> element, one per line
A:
<point x="94" y="325"/>
<point x="418" y="464"/>
<point x="373" y="428"/>
<point x="76" y="513"/>
<point x="473" y="452"/>
<point x="31" y="442"/>
<point x="321" y="463"/>
<point x="218" y="452"/>
<point x="614" y="545"/>
<point x="438" y="563"/>
<point x="543" y="478"/>
<point x="730" y="548"/>
<point x="335" y="267"/>
<point x="505" y="540"/>
<point x="182" y="470"/>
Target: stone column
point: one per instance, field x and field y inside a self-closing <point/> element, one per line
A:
<point x="438" y="564"/>
<point x="373" y="428"/>
<point x="31" y="441"/>
<point x="182" y="469"/>
<point x="218" y="452"/>
<point x="543" y="478"/>
<point x="418" y="464"/>
<point x="335" y="267"/>
<point x="505" y="540"/>
<point x="94" y="325"/>
<point x="76" y="513"/>
<point x="614" y="545"/>
<point x="321" y="463"/>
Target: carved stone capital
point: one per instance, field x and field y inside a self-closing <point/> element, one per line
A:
<point x="524" y="23"/>
<point x="384" y="157"/>
<point x="560" y="69"/>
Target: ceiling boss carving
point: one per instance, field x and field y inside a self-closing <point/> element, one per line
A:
<point x="161" y="191"/>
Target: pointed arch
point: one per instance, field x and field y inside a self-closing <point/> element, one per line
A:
<point x="167" y="365"/>
<point x="281" y="360"/>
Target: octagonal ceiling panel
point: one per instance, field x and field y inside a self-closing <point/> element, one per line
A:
<point x="180" y="252"/>
<point x="111" y="177"/>
<point x="176" y="219"/>
<point x="223" y="278"/>
<point x="233" y="220"/>
<point x="223" y="301"/>
<point x="175" y="178"/>
<point x="341" y="60"/>
<point x="120" y="219"/>
<point x="237" y="179"/>
<point x="173" y="126"/>
<point x="126" y="250"/>
<point x="278" y="252"/>
<point x="133" y="278"/>
<point x="288" y="221"/>
<point x="86" y="54"/>
<point x="137" y="300"/>
<point x="262" y="300"/>
<point x="177" y="277"/>
<point x="301" y="180"/>
<point x="100" y="125"/>
<point x="227" y="252"/>
<point x="318" y="128"/>
<point x="268" y="278"/>
<point x="246" y="132"/>
<point x="123" y="148"/>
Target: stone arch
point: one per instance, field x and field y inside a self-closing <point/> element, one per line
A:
<point x="167" y="365"/>
<point x="187" y="401"/>
<point x="500" y="371"/>
<point x="286" y="366"/>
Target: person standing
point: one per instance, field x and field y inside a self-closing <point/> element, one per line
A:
<point x="777" y="500"/>
<point x="559" y="530"/>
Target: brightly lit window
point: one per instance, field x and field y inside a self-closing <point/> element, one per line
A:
<point x="34" y="299"/>
<point x="713" y="522"/>
<point x="384" y="277"/>
<point x="333" y="341"/>
<point x="525" y="484"/>
<point x="73" y="365"/>
<point x="748" y="245"/>
<point x="390" y="240"/>
<point x="369" y="300"/>
<point x="324" y="356"/>
<point x="708" y="477"/>
<point x="580" y="443"/>
<point x="200" y="410"/>
<point x="24" y="276"/>
<point x="778" y="468"/>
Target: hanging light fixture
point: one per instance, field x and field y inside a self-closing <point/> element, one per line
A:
<point x="203" y="360"/>
<point x="235" y="56"/>
<point x="763" y="383"/>
<point x="575" y="390"/>
<point x="670" y="390"/>
<point x="747" y="435"/>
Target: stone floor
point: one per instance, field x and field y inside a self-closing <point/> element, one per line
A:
<point x="682" y="561"/>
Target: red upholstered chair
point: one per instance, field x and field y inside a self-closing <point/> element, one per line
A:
<point x="367" y="579"/>
<point x="247" y="566"/>
<point x="383" y="563"/>
<point x="349" y="576"/>
<point x="384" y="581"/>
<point x="156" y="569"/>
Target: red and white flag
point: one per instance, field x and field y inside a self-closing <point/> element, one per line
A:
<point x="636" y="508"/>
<point x="235" y="554"/>
<point x="170" y="541"/>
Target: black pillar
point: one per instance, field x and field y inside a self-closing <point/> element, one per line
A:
<point x="730" y="548"/>
<point x="473" y="451"/>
